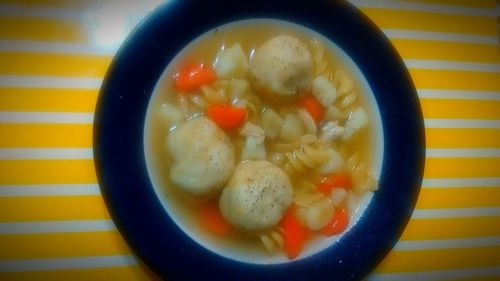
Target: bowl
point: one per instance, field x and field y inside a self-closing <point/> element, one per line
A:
<point x="129" y="191"/>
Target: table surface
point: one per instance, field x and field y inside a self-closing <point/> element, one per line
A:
<point x="54" y="224"/>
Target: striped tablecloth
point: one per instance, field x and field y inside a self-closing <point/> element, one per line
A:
<point x="53" y="56"/>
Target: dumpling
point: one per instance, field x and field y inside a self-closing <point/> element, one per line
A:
<point x="257" y="196"/>
<point x="202" y="156"/>
<point x="282" y="68"/>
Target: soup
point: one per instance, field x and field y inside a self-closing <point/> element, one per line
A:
<point x="262" y="141"/>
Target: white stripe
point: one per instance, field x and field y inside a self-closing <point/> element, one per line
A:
<point x="460" y="182"/>
<point x="459" y="94"/>
<point x="93" y="189"/>
<point x="75" y="48"/>
<point x="50" y="82"/>
<point x="438" y="275"/>
<point x="39" y="12"/>
<point x="456" y="213"/>
<point x="447" y="243"/>
<point x="440" y="36"/>
<point x="46" y="117"/>
<point x="49" y="190"/>
<point x="421" y="7"/>
<point x="54" y="47"/>
<point x="462" y="153"/>
<point x="452" y="65"/>
<point x="462" y="123"/>
<point x="56" y="226"/>
<point x="66" y="263"/>
<point x="46" y="153"/>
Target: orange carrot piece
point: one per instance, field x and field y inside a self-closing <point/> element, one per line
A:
<point x="312" y="106"/>
<point x="192" y="76"/>
<point x="227" y="117"/>
<point x="338" y="224"/>
<point x="337" y="180"/>
<point x="212" y="219"/>
<point x="294" y="234"/>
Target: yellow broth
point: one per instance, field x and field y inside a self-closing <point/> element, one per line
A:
<point x="250" y="35"/>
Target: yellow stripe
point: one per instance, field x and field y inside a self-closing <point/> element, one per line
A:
<point x="38" y="246"/>
<point x="467" y="3"/>
<point x="47" y="171"/>
<point x="464" y="109"/>
<point x="41" y="99"/>
<point x="467" y="197"/>
<point x="455" y="79"/>
<point x="429" y="260"/>
<point x="462" y="138"/>
<point x="449" y="228"/>
<point x="387" y="18"/>
<point x="17" y="63"/>
<point x="476" y="279"/>
<point x="52" y="208"/>
<point x="461" y="167"/>
<point x="41" y="29"/>
<point x="128" y="273"/>
<point x="45" y="135"/>
<point x="437" y="50"/>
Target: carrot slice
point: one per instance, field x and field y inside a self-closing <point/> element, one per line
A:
<point x="192" y="76"/>
<point x="226" y="116"/>
<point x="338" y="224"/>
<point x="212" y="219"/>
<point x="337" y="180"/>
<point x="312" y="106"/>
<point x="294" y="233"/>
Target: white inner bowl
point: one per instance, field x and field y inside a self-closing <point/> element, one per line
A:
<point x="258" y="256"/>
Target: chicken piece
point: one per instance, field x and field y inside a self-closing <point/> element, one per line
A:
<point x="254" y="147"/>
<point x="251" y="130"/>
<point x="282" y="68"/>
<point x="357" y="120"/>
<point x="202" y="156"/>
<point x="331" y="131"/>
<point x="257" y="196"/>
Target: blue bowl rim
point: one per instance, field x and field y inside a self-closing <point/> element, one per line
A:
<point x="120" y="160"/>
